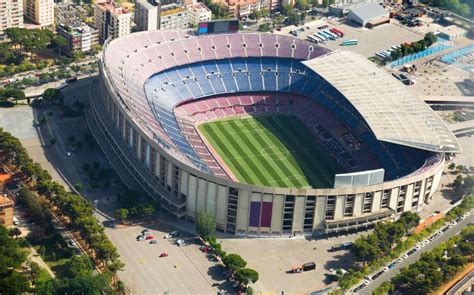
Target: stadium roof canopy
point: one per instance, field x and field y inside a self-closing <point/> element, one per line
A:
<point x="393" y="112"/>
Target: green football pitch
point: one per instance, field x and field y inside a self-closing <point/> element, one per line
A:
<point x="273" y="151"/>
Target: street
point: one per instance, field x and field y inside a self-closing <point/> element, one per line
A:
<point x="415" y="256"/>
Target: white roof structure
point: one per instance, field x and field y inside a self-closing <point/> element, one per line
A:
<point x="393" y="113"/>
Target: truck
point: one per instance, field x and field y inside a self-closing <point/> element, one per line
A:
<point x="301" y="268"/>
<point x="309" y="266"/>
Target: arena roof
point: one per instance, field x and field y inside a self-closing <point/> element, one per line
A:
<point x="393" y="112"/>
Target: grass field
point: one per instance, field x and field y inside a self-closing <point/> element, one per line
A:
<point x="271" y="151"/>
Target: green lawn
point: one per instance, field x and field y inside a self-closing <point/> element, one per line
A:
<point x="271" y="151"/>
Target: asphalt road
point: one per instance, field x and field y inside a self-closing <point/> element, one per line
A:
<point x="414" y="257"/>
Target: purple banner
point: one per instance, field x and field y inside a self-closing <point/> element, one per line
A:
<point x="266" y="218"/>
<point x="254" y="214"/>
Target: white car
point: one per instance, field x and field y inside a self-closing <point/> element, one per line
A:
<point x="405" y="256"/>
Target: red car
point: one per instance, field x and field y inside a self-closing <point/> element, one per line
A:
<point x="164" y="254"/>
<point x="149" y="237"/>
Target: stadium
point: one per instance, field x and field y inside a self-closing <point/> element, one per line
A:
<point x="273" y="135"/>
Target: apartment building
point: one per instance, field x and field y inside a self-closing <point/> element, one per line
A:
<point x="198" y="12"/>
<point x="11" y="14"/>
<point x="161" y="15"/>
<point x="146" y="14"/>
<point x="41" y="12"/>
<point x="80" y="37"/>
<point x="239" y="8"/>
<point x="111" y="20"/>
<point x="173" y="17"/>
<point x="6" y="210"/>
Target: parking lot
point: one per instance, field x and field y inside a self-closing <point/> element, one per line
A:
<point x="272" y="258"/>
<point x="370" y="40"/>
<point x="186" y="270"/>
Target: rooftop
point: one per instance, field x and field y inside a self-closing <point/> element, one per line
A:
<point x="393" y="113"/>
<point x="368" y="10"/>
<point x="4" y="177"/>
<point x="198" y="6"/>
<point x="110" y="5"/>
<point x="452" y="30"/>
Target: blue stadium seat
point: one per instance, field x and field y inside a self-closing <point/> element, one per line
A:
<point x="270" y="81"/>
<point x="224" y="66"/>
<point x="242" y="79"/>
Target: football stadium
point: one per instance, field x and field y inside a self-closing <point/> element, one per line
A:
<point x="273" y="135"/>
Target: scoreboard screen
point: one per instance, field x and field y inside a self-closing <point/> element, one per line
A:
<point x="219" y="26"/>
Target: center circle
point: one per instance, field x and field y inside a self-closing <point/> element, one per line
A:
<point x="275" y="153"/>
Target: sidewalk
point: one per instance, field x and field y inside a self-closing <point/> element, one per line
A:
<point x="34" y="256"/>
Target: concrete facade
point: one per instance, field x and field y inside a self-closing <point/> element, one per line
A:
<point x="11" y="14"/>
<point x="183" y="190"/>
<point x="111" y="20"/>
<point x="40" y="12"/>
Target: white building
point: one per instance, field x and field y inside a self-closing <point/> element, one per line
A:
<point x="160" y="15"/>
<point x="198" y="12"/>
<point x="368" y="14"/>
<point x="452" y="32"/>
<point x="40" y="12"/>
<point x="11" y="14"/>
<point x="111" y="20"/>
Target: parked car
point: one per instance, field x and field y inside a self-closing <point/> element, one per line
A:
<point x="164" y="254"/>
<point x="360" y="287"/>
<point x="140" y="238"/>
<point x="149" y="237"/>
<point x="153" y="242"/>
<point x="174" y="234"/>
<point x="180" y="242"/>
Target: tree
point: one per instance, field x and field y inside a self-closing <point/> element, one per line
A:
<point x="35" y="271"/>
<point x="409" y="220"/>
<point x="302" y="4"/>
<point x="121" y="214"/>
<point x="14" y="232"/>
<point x="246" y="276"/>
<point x="395" y="232"/>
<point x="16" y="94"/>
<point x="60" y="42"/>
<point x="205" y="225"/>
<point x="325" y="3"/>
<point x="430" y="38"/>
<point x="79" y="265"/>
<point x="264" y="28"/>
<point x="286" y="9"/>
<point x="79" y="187"/>
<point x="14" y="283"/>
<point x="53" y="96"/>
<point x="234" y="262"/>
<point x="452" y="166"/>
<point x="293" y="18"/>
<point x="364" y="250"/>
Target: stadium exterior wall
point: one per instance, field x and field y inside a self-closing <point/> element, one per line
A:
<point x="239" y="208"/>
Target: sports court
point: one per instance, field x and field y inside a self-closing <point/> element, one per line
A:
<point x="271" y="151"/>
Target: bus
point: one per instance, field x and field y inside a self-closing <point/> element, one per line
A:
<point x="323" y="36"/>
<point x="319" y="38"/>
<point x="339" y="31"/>
<point x="382" y="56"/>
<point x="335" y="32"/>
<point x="350" y="42"/>
<point x="330" y="36"/>
<point x="312" y="39"/>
